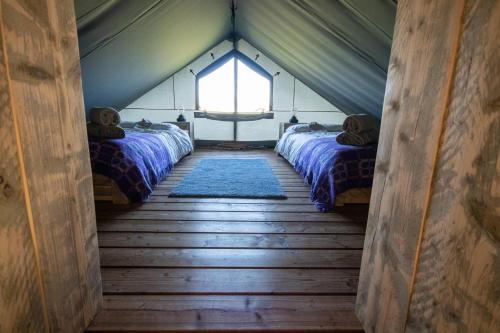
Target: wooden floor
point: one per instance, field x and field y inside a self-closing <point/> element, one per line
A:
<point x="177" y="264"/>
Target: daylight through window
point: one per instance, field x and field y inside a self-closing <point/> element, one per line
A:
<point x="217" y="91"/>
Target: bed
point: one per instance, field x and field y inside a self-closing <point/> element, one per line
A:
<point x="126" y="170"/>
<point x="338" y="174"/>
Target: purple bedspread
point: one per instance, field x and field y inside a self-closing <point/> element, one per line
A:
<point x="332" y="168"/>
<point x="136" y="163"/>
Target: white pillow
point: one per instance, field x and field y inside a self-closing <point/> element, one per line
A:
<point x="333" y="127"/>
<point x="152" y="126"/>
<point x="314" y="126"/>
<point x="164" y="127"/>
<point x="299" y="128"/>
<point x="127" y="124"/>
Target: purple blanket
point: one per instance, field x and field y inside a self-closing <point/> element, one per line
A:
<point x="332" y="168"/>
<point x="136" y="163"/>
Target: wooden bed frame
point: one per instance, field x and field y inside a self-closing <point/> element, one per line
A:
<point x="105" y="189"/>
<point x="358" y="195"/>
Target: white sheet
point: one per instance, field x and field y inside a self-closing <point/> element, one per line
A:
<point x="291" y="142"/>
<point x="178" y="141"/>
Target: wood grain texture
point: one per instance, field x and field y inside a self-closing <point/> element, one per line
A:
<point x="452" y="285"/>
<point x="229" y="216"/>
<point x="249" y="258"/>
<point x="419" y="80"/>
<point x="230" y="241"/>
<point x="193" y="261"/>
<point x="42" y="58"/>
<point x="229" y="281"/>
<point x="231" y="227"/>
<point x="457" y="286"/>
<point x="301" y="193"/>
<point x="227" y="313"/>
<point x="22" y="306"/>
<point x="105" y="189"/>
<point x="289" y="201"/>
<point x="214" y="207"/>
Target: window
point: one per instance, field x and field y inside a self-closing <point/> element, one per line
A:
<point x="234" y="84"/>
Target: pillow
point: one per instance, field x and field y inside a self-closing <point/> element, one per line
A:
<point x="127" y="124"/>
<point x="299" y="128"/>
<point x="314" y="126"/>
<point x="333" y="127"/>
<point x="164" y="127"/>
<point x="146" y="124"/>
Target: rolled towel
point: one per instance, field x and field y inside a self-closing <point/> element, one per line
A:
<point x="357" y="123"/>
<point x="358" y="139"/>
<point x="102" y="131"/>
<point x="104" y="116"/>
<point x="333" y="127"/>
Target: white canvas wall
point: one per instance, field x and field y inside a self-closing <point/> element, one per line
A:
<point x="157" y="104"/>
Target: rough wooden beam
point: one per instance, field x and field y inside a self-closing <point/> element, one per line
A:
<point x="40" y="55"/>
<point x="431" y="259"/>
<point x="21" y="289"/>
<point x="419" y="79"/>
<point x="457" y="286"/>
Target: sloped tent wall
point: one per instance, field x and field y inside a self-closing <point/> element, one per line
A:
<point x="340" y="49"/>
<point x="127" y="47"/>
<point x="158" y="104"/>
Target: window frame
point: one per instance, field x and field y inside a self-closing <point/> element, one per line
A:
<point x="237" y="55"/>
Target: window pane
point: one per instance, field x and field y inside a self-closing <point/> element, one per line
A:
<point x="216" y="90"/>
<point x="254" y="90"/>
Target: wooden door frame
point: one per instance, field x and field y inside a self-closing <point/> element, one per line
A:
<point x="49" y="259"/>
<point x="431" y="253"/>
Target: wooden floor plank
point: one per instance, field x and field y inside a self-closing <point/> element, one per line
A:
<point x="288" y="201"/>
<point x="226" y="264"/>
<point x="229" y="241"/>
<point x="231" y="258"/>
<point x="211" y="207"/>
<point x="230" y="216"/>
<point x="286" y="188"/>
<point x="231" y="227"/>
<point x="192" y="281"/>
<point x="227" y="313"/>
<point x="289" y="194"/>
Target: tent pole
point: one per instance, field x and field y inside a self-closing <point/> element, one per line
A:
<point x="233" y="36"/>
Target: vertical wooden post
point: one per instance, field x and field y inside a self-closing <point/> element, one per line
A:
<point x="49" y="275"/>
<point x="457" y="278"/>
<point x="432" y="252"/>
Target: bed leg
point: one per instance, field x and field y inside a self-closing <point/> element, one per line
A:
<point x="339" y="203"/>
<point x="117" y="196"/>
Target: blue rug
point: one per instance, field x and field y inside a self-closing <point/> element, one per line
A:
<point x="230" y="178"/>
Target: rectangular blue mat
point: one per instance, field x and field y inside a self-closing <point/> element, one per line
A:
<point x="230" y="178"/>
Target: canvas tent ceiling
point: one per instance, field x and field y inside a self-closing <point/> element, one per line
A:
<point x="340" y="48"/>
